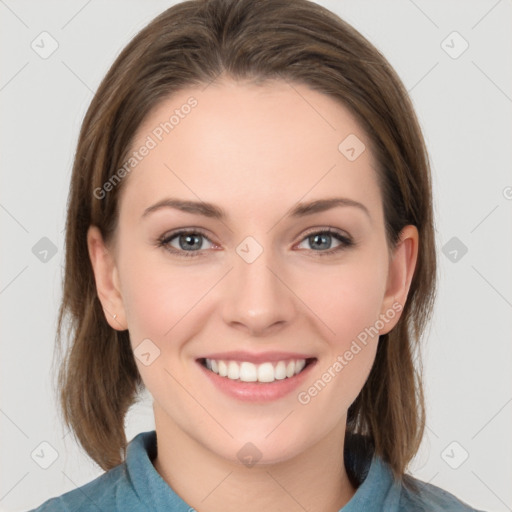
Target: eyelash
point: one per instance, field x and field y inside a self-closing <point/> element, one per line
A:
<point x="164" y="240"/>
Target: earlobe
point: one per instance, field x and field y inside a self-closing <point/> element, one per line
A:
<point x="107" y="279"/>
<point x="401" y="271"/>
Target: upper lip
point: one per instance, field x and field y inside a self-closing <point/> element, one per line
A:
<point x="261" y="357"/>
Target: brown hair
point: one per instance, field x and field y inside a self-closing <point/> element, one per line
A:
<point x="193" y="43"/>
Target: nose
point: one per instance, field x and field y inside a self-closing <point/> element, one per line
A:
<point x="257" y="299"/>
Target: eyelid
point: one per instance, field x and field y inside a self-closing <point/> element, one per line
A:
<point x="180" y="231"/>
<point x="325" y="229"/>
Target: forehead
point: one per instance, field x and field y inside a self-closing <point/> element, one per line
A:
<point x="259" y="145"/>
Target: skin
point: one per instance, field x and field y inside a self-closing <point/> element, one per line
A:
<point x="255" y="151"/>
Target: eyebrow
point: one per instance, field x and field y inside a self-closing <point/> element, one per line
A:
<point x="212" y="211"/>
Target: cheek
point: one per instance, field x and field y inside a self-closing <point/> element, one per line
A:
<point x="159" y="302"/>
<point x="350" y="310"/>
<point x="346" y="298"/>
<point x="157" y="295"/>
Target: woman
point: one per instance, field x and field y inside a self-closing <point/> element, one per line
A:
<point x="250" y="237"/>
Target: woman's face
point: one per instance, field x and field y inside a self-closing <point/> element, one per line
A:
<point x="260" y="172"/>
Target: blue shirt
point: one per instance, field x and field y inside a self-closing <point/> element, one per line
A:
<point x="135" y="486"/>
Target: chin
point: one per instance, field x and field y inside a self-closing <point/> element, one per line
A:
<point x="263" y="452"/>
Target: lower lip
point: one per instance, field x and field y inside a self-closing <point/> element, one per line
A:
<point x="258" y="391"/>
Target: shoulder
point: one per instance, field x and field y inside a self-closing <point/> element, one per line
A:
<point x="98" y="495"/>
<point x="117" y="489"/>
<point x="421" y="496"/>
<point x="133" y="486"/>
<point x="378" y="489"/>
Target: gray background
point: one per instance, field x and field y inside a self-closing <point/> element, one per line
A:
<point x="464" y="105"/>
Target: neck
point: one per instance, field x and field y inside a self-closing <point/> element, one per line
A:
<point x="313" y="480"/>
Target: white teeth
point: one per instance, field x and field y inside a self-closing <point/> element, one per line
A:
<point x="280" y="370"/>
<point x="300" y="365"/>
<point x="265" y="372"/>
<point x="223" y="369"/>
<point x="250" y="372"/>
<point x="233" y="370"/>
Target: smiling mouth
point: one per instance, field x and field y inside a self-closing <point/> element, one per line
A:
<point x="267" y="372"/>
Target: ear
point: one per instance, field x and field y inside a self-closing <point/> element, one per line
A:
<point x="107" y="279"/>
<point x="401" y="270"/>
